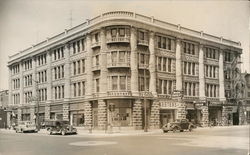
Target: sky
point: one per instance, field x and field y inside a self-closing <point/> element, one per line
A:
<point x="27" y="22"/>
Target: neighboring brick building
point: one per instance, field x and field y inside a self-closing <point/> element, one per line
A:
<point x="100" y="72"/>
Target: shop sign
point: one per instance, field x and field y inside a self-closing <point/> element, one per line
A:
<point x="168" y="105"/>
<point x="232" y="109"/>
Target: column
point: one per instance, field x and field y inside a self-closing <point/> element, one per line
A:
<point x="66" y="111"/>
<point x="221" y="77"/>
<point x="49" y="86"/>
<point x="178" y="66"/>
<point x="152" y="69"/>
<point x="87" y="115"/>
<point x="49" y="77"/>
<point x="89" y="84"/>
<point x="34" y="86"/>
<point x="21" y="83"/>
<point x="137" y="115"/>
<point x="104" y="71"/>
<point x="134" y="63"/>
<point x="155" y="115"/>
<point x="67" y="48"/>
<point x="102" y="115"/>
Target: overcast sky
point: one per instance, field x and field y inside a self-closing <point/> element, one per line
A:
<point x="26" y="22"/>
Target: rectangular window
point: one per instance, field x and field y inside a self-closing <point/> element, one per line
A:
<point x="142" y="58"/>
<point x="164" y="64"/>
<point x="122" y="56"/>
<point x="83" y="66"/>
<point x="170" y="87"/>
<point x="97" y="85"/>
<point x="62" y="71"/>
<point x="113" y="32"/>
<point x="169" y="65"/>
<point x="97" y="60"/>
<point x="141" y="35"/>
<point x="74" y="47"/>
<point x="78" y="46"/>
<point x="164" y="43"/>
<point x="185" y="68"/>
<point x="165" y="84"/>
<point x="74" y="85"/>
<point x="122" y="82"/>
<point x="114" y="57"/>
<point x="62" y="91"/>
<point x="189" y="68"/>
<point x="189" y="89"/>
<point x="59" y="92"/>
<point x="194" y="89"/>
<point x="185" y="88"/>
<point x="79" y="88"/>
<point x="55" y="92"/>
<point x="193" y="49"/>
<point x="214" y="71"/>
<point x="193" y="68"/>
<point x="55" y="71"/>
<point x="83" y="88"/>
<point x="74" y="66"/>
<point x="62" y="52"/>
<point x="114" y="83"/>
<point x="160" y="86"/>
<point x="59" y="72"/>
<point x="96" y="37"/>
<point x="169" y="44"/>
<point x="122" y="32"/>
<point x="159" y="41"/>
<point x="79" y="66"/>
<point x="159" y="63"/>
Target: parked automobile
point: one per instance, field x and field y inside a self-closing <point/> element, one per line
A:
<point x="179" y="124"/>
<point x="60" y="127"/>
<point x="25" y="126"/>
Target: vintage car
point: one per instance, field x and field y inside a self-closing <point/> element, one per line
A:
<point x="178" y="125"/>
<point x="26" y="126"/>
<point x="60" y="127"/>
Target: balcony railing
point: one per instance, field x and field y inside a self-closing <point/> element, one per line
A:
<point x="143" y="42"/>
<point x="119" y="93"/>
<point x="118" y="64"/>
<point x="124" y="39"/>
<point x="95" y="44"/>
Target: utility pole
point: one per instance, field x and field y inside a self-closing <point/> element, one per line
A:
<point x="37" y="99"/>
<point x="144" y="101"/>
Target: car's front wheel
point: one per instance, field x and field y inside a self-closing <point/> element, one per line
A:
<point x="175" y="129"/>
<point x="165" y="131"/>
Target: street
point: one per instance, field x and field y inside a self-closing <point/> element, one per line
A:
<point x="206" y="141"/>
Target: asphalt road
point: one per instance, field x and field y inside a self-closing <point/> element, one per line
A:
<point x="207" y="141"/>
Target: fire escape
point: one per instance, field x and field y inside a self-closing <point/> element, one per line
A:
<point x="236" y="84"/>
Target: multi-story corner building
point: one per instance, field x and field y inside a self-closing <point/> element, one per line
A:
<point x="124" y="69"/>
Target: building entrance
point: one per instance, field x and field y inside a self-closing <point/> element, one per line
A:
<point x="167" y="116"/>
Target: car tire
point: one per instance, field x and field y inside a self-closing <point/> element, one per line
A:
<point x="165" y="131"/>
<point x="63" y="133"/>
<point x="175" y="129"/>
<point x="190" y="128"/>
<point x="181" y="130"/>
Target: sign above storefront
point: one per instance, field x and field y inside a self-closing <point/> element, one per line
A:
<point x="168" y="105"/>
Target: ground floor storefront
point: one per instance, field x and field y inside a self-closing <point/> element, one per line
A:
<point x="130" y="113"/>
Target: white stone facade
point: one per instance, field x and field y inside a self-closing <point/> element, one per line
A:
<point x="100" y="73"/>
